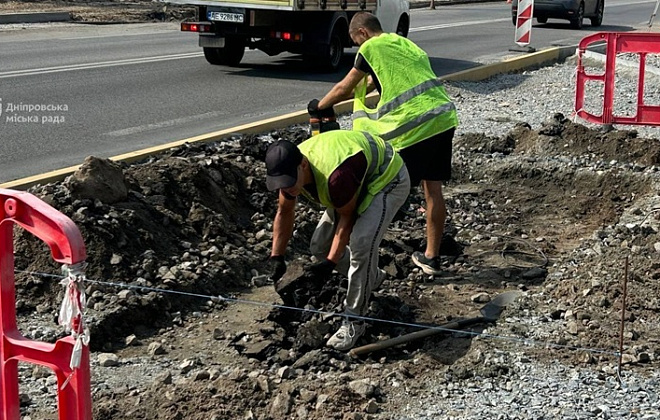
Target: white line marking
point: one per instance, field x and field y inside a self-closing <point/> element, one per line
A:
<point x="86" y="66"/>
<point x="456" y="24"/>
<point x="163" y="124"/>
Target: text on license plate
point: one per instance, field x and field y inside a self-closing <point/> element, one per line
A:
<point x="225" y="17"/>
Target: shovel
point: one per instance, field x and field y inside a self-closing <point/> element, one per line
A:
<point x="489" y="313"/>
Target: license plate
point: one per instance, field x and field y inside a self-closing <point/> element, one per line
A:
<point x="225" y="17"/>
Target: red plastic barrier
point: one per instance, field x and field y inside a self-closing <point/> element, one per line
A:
<point x="617" y="42"/>
<point x="67" y="247"/>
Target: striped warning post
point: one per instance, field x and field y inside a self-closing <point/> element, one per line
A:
<point x="524" y="22"/>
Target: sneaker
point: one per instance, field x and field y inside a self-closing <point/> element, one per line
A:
<point x="347" y="335"/>
<point x="430" y="266"/>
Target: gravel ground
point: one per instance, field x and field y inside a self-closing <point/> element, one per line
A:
<point x="495" y="106"/>
<point x="533" y="390"/>
<point x="504" y="379"/>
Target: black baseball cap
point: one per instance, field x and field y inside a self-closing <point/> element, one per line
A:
<point x="282" y="160"/>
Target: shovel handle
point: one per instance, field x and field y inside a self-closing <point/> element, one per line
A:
<point x="385" y="344"/>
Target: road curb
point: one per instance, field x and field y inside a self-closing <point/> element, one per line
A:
<point x="525" y="62"/>
<point x="40" y="17"/>
<point x="533" y="60"/>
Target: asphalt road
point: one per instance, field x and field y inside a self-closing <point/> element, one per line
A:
<point x="70" y="91"/>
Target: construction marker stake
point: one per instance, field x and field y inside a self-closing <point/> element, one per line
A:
<point x="524" y="22"/>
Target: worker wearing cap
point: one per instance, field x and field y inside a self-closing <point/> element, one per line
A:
<point x="362" y="182"/>
<point x="414" y="114"/>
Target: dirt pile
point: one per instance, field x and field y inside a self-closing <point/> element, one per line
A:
<point x="549" y="212"/>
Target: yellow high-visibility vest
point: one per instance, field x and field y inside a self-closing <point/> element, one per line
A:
<point x="327" y="151"/>
<point x="413" y="103"/>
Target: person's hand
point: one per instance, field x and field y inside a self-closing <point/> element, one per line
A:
<point x="321" y="270"/>
<point x="313" y="108"/>
<point x="277" y="267"/>
<point x="314" y="111"/>
<point x="327" y="113"/>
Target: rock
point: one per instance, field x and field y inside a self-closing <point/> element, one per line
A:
<point x="281" y="406"/>
<point x="124" y="294"/>
<point x="262" y="234"/>
<point x="156" y="349"/>
<point x="320" y="401"/>
<point x="363" y="387"/>
<point x="284" y="372"/>
<point x="108" y="360"/>
<point x="98" y="179"/>
<point x="164" y="378"/>
<point x="573" y="328"/>
<point x="644" y="358"/>
<point x="264" y="383"/>
<point x="311" y="335"/>
<point x="257" y="349"/>
<point x="132" y="340"/>
<point x="311" y="358"/>
<point x="371" y="407"/>
<point x="218" y="334"/>
<point x="200" y="375"/>
<point x="627" y="359"/>
<point x="302" y="412"/>
<point x="307" y="396"/>
<point x="187" y="366"/>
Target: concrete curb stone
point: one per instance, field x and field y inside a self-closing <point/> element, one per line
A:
<point x="40" y="17"/>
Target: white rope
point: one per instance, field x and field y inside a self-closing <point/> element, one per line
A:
<point x="71" y="313"/>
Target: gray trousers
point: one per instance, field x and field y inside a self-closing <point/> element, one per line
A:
<point x="360" y="261"/>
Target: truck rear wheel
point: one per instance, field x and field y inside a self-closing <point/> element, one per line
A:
<point x="403" y="26"/>
<point x="334" y="53"/>
<point x="229" y="55"/>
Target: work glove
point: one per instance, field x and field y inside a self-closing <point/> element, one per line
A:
<point x="314" y="111"/>
<point x="313" y="108"/>
<point x="321" y="270"/>
<point x="277" y="267"/>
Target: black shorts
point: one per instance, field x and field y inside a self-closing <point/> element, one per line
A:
<point x="430" y="159"/>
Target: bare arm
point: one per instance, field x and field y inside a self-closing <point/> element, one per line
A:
<point x="283" y="224"/>
<point x="342" y="90"/>
<point x="347" y="216"/>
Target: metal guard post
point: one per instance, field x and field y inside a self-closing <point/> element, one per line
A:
<point x="67" y="247"/>
<point x="615" y="43"/>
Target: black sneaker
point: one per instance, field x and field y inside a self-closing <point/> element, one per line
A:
<point x="430" y="266"/>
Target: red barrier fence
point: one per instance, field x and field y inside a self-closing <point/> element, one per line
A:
<point x="67" y="247"/>
<point x="615" y="43"/>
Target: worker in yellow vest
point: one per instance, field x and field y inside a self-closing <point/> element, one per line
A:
<point x="414" y="114"/>
<point x="362" y="182"/>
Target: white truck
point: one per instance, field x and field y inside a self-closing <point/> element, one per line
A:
<point x="317" y="29"/>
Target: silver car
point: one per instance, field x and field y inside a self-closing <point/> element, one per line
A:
<point x="573" y="10"/>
